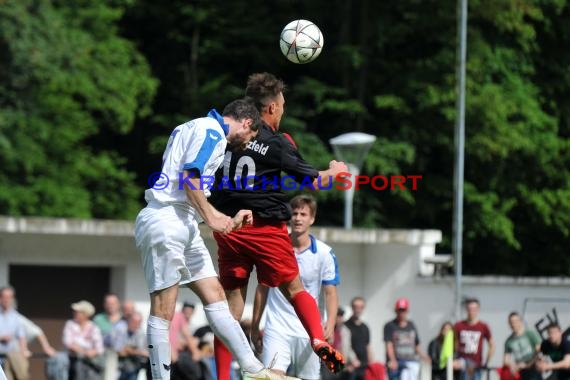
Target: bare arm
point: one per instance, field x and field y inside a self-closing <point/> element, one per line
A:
<point x="331" y="304"/>
<point x="490" y="352"/>
<point x="506" y="359"/>
<point x="369" y="353"/>
<point x="213" y="218"/>
<point x="392" y="362"/>
<point x="24" y="346"/>
<point x="259" y="303"/>
<point x="562" y="364"/>
<point x="420" y="351"/>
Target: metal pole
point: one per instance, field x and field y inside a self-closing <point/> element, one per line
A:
<point x="349" y="197"/>
<point x="459" y="155"/>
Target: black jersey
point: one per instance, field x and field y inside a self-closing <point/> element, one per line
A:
<point x="252" y="180"/>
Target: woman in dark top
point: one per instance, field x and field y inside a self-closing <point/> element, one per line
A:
<point x="434" y="352"/>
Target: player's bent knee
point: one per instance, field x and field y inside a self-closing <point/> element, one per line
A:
<point x="291" y="288"/>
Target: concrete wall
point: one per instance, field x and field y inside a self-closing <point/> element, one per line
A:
<point x="380" y="265"/>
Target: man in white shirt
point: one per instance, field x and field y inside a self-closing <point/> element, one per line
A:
<point x="169" y="242"/>
<point x="285" y="341"/>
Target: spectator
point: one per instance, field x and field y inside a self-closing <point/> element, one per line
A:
<point x="438" y="372"/>
<point x="181" y="339"/>
<point x="359" y="337"/>
<point x="403" y="345"/>
<point x="84" y="343"/>
<point x="521" y="349"/>
<point x="109" y="317"/>
<point x="129" y="341"/>
<point x="555" y="356"/>
<point x="470" y="334"/>
<point x="14" y="352"/>
<point x="342" y="343"/>
<point x="184" y="346"/>
<point x="128" y="309"/>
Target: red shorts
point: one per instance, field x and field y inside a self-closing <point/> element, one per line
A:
<point x="265" y="245"/>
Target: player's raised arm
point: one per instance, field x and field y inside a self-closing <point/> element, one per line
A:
<point x="213" y="218"/>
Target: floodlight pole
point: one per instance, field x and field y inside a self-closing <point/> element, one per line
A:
<point x="459" y="155"/>
<point x="349" y="197"/>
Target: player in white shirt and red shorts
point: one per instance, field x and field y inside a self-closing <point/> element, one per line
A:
<point x="285" y="343"/>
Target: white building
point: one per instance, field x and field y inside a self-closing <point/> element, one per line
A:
<point x="54" y="262"/>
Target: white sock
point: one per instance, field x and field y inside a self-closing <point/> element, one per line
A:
<point x="158" y="347"/>
<point x="229" y="331"/>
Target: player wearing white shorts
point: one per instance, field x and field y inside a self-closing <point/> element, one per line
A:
<point x="169" y="242"/>
<point x="285" y="342"/>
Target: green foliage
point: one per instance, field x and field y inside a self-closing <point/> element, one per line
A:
<point x="66" y="77"/>
<point x="80" y="130"/>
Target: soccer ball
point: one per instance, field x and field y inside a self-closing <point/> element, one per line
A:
<point x="301" y="41"/>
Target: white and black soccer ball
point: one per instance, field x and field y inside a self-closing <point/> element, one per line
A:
<point x="301" y="41"/>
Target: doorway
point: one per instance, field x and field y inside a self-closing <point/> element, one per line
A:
<point x="44" y="294"/>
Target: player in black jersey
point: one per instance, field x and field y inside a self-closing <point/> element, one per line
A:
<point x="252" y="180"/>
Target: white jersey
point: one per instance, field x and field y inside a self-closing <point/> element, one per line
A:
<point x="317" y="267"/>
<point x="197" y="145"/>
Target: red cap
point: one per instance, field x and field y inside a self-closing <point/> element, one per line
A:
<point x="402" y="304"/>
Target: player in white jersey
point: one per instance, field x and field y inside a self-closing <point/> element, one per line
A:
<point x="285" y="342"/>
<point x="169" y="242"/>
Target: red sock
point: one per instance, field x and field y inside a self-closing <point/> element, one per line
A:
<point x="308" y="313"/>
<point x="223" y="359"/>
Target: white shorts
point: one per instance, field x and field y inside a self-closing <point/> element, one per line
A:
<point x="293" y="355"/>
<point x="171" y="248"/>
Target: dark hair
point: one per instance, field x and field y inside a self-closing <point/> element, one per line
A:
<point x="243" y="109"/>
<point x="471" y="300"/>
<point x="513" y="314"/>
<point x="188" y="304"/>
<point x="553" y="325"/>
<point x="357" y="298"/>
<point x="304" y="200"/>
<point x="340" y="312"/>
<point x="262" y="87"/>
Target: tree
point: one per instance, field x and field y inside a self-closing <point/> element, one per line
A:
<point x="65" y="78"/>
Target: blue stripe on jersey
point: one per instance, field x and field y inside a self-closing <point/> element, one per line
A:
<point x="216" y="115"/>
<point x="336" y="279"/>
<point x="212" y="139"/>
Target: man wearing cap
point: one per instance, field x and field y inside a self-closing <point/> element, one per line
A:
<point x="403" y="345"/>
<point x="84" y="343"/>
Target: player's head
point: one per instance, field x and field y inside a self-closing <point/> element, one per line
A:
<point x="304" y="209"/>
<point x="267" y="92"/>
<point x="472" y="308"/>
<point x="554" y="333"/>
<point x="244" y="121"/>
<point x="515" y="322"/>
